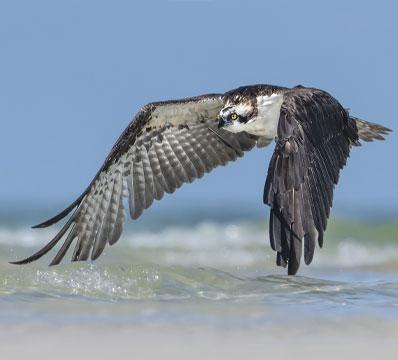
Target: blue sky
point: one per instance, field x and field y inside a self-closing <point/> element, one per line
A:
<point x="73" y="73"/>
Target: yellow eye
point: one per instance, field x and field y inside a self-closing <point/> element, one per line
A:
<point x="234" y="116"/>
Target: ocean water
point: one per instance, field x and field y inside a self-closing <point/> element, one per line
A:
<point x="196" y="273"/>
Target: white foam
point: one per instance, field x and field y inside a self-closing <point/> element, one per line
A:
<point x="214" y="244"/>
<point x="354" y="253"/>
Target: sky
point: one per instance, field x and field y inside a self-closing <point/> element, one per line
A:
<point x="73" y="74"/>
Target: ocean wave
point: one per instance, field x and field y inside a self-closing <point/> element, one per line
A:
<point x="356" y="253"/>
<point x="239" y="244"/>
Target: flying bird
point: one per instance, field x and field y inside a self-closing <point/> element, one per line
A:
<point x="170" y="143"/>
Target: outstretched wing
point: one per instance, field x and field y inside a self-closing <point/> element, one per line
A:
<point x="315" y="134"/>
<point x="166" y="145"/>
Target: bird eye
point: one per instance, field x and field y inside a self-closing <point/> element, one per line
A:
<point x="234" y="116"/>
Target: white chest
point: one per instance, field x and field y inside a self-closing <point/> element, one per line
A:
<point x="265" y="124"/>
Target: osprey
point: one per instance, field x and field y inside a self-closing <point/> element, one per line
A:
<point x="170" y="143"/>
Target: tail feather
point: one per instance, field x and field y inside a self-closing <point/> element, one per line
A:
<point x="368" y="131"/>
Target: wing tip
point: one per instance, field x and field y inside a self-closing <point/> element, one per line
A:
<point x="40" y="226"/>
<point x="293" y="267"/>
<point x="54" y="219"/>
<point x="31" y="258"/>
<point x="60" y="215"/>
<point x="20" y="262"/>
<point x="46" y="248"/>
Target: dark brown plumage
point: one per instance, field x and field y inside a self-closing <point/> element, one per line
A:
<point x="315" y="134"/>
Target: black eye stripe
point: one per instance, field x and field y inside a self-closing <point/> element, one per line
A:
<point x="243" y="119"/>
<point x="240" y="118"/>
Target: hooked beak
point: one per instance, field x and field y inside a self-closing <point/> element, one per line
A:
<point x="221" y="122"/>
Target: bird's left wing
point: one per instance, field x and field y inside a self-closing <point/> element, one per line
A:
<point x="314" y="137"/>
<point x="166" y="144"/>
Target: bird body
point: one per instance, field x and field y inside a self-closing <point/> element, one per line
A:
<point x="170" y="143"/>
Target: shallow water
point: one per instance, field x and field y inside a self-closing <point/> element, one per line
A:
<point x="208" y="274"/>
<point x="186" y="287"/>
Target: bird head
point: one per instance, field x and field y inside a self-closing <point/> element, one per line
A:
<point x="256" y="115"/>
<point x="234" y="117"/>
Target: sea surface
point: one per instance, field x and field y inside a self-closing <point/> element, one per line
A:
<point x="190" y="273"/>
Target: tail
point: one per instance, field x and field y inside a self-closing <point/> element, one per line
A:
<point x="368" y="131"/>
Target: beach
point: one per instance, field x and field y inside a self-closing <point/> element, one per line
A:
<point x="171" y="342"/>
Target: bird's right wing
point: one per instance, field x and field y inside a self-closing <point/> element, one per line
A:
<point x="315" y="134"/>
<point x="166" y="145"/>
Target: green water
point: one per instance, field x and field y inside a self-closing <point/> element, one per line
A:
<point x="214" y="274"/>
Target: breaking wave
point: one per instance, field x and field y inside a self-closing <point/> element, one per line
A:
<point x="223" y="245"/>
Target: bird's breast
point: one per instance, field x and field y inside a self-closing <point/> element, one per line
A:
<point x="265" y="124"/>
